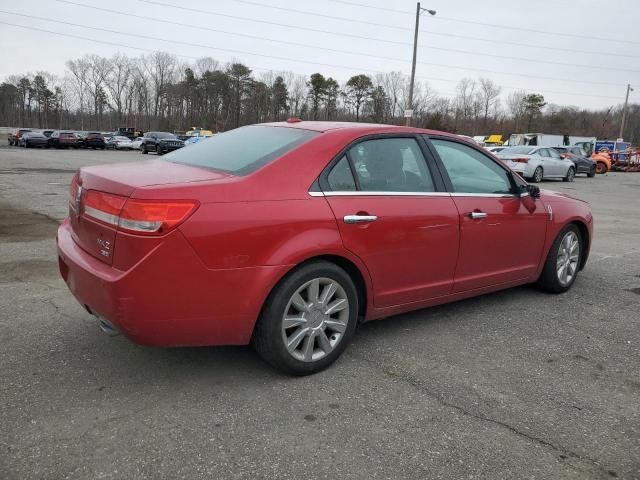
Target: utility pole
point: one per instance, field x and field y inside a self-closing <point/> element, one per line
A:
<point x="624" y="111"/>
<point x="409" y="108"/>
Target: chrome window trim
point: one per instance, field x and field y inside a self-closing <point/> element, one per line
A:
<point x="409" y="194"/>
<point x="484" y="195"/>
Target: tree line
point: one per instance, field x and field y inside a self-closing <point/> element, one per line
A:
<point x="158" y="91"/>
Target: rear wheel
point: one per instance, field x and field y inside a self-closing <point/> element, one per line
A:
<point x="538" y="175"/>
<point x="571" y="174"/>
<point x="563" y="261"/>
<point x="601" y="167"/>
<point x="308" y="319"/>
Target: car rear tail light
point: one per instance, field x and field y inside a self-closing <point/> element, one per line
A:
<point x="520" y="160"/>
<point x="154" y="217"/>
<point x="146" y="217"/>
<point x="73" y="187"/>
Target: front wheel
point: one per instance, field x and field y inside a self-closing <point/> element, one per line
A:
<point x="571" y="174"/>
<point x="592" y="172"/>
<point x="144" y="150"/>
<point x="308" y="319"/>
<point x="563" y="261"/>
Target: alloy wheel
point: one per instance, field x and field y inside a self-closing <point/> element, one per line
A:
<point x="315" y="319"/>
<point x="568" y="257"/>
<point x="537" y="175"/>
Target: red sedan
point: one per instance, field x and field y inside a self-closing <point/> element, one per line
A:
<point x="286" y="235"/>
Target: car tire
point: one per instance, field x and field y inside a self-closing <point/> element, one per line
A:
<point x="143" y="149"/>
<point x="601" y="168"/>
<point x="304" y="346"/>
<point x="571" y="174"/>
<point x="564" y="251"/>
<point x="592" y="172"/>
<point x="538" y="175"/>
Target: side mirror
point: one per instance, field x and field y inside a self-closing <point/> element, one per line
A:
<point x="528" y="195"/>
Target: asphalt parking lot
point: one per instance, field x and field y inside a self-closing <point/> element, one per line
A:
<point x="517" y="384"/>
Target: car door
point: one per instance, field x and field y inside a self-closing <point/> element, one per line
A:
<point x="548" y="167"/>
<point x="393" y="213"/>
<point x="500" y="241"/>
<point x="560" y="165"/>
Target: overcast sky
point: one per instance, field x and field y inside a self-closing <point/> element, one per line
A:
<point x="453" y="44"/>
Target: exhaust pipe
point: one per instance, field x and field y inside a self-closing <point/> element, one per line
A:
<point x="107" y="328"/>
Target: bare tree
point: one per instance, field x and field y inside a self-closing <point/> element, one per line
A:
<point x="161" y="67"/>
<point x="80" y="72"/>
<point x="118" y="82"/>
<point x="297" y="94"/>
<point x="515" y="106"/>
<point x="206" y="64"/>
<point x="99" y="69"/>
<point x="489" y="95"/>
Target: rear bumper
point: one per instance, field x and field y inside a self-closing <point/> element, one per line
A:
<point x="169" y="298"/>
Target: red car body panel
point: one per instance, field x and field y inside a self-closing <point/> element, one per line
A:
<point x="205" y="282"/>
<point x="506" y="246"/>
<point x="411" y="229"/>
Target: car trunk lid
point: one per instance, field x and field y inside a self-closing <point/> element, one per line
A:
<point x="101" y="207"/>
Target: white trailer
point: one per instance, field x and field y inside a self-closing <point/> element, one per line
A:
<point x="546" y="140"/>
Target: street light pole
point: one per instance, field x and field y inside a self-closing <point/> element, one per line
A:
<point x="419" y="10"/>
<point x="624" y="111"/>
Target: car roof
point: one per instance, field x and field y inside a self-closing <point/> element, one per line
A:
<point x="371" y="128"/>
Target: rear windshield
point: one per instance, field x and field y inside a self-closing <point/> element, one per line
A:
<point x="520" y="150"/>
<point x="243" y="150"/>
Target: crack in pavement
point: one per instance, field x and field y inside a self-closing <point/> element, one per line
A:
<point x="415" y="383"/>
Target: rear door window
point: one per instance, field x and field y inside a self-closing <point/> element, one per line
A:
<point x="391" y="165"/>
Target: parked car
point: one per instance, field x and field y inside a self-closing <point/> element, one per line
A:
<point x="82" y="136"/>
<point x="64" y="139"/>
<point x="495" y="150"/>
<point x="137" y="143"/>
<point x="94" y="140"/>
<point x="580" y="159"/>
<point x="14" y="138"/>
<point x="119" y="143"/>
<point x="193" y="139"/>
<point x="33" y="139"/>
<point x="270" y="235"/>
<point x="538" y="163"/>
<point x="160" y="142"/>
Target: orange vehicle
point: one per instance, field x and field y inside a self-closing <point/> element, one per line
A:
<point x="603" y="160"/>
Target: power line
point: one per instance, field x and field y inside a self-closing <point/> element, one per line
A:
<point x="321" y="15"/>
<point x="265" y="22"/>
<point x="530" y="45"/>
<point x="493" y="25"/>
<point x="533" y="30"/>
<point x="404" y="29"/>
<point x="298" y="44"/>
<point x="372" y="7"/>
<point x="276" y="57"/>
<point x="80" y="37"/>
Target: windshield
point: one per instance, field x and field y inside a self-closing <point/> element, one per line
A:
<point x="518" y="150"/>
<point x="162" y="135"/>
<point x="243" y="150"/>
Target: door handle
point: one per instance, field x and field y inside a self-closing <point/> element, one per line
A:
<point x="477" y="215"/>
<point x="360" y="218"/>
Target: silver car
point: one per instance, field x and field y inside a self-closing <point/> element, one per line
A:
<point x="537" y="163"/>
